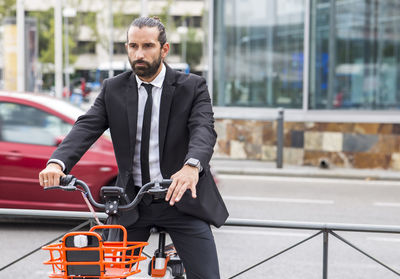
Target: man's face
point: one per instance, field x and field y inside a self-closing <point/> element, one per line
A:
<point x="145" y="52"/>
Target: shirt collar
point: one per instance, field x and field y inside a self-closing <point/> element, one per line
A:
<point x="157" y="82"/>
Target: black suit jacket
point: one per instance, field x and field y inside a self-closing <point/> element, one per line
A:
<point x="186" y="130"/>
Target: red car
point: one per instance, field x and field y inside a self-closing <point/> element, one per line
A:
<point x="31" y="127"/>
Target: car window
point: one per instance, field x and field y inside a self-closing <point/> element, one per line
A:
<point x="26" y="124"/>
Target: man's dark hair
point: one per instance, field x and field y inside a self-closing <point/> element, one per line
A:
<point x="145" y="21"/>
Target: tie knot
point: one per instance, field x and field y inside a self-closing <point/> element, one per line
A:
<point x="148" y="87"/>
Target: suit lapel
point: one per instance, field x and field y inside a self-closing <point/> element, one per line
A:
<point x="165" y="106"/>
<point x="132" y="111"/>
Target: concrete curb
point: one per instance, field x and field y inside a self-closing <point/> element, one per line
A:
<point x="241" y="167"/>
<point x="293" y="173"/>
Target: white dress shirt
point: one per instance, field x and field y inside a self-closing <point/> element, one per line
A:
<point x="154" y="154"/>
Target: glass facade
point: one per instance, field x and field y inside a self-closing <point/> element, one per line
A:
<point x="353" y="54"/>
<point x="258" y="53"/>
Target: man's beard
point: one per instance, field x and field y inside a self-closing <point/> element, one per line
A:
<point x="149" y="70"/>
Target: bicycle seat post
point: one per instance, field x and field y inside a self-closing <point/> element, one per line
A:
<point x="165" y="258"/>
<point x="160" y="255"/>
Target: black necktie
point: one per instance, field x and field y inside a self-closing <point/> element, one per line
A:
<point x="144" y="147"/>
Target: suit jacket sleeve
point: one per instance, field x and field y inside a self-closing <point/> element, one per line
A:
<point x="201" y="126"/>
<point x="86" y="130"/>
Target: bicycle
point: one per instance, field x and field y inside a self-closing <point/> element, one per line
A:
<point x="89" y="254"/>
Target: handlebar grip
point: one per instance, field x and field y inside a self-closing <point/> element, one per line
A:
<point x="166" y="182"/>
<point x="66" y="180"/>
<point x="65" y="188"/>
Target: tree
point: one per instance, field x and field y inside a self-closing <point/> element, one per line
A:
<point x="45" y="21"/>
<point x="194" y="49"/>
<point x="7" y="8"/>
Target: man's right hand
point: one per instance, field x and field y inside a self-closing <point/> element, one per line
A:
<point x="50" y="176"/>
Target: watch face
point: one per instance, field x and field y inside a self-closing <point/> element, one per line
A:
<point x="193" y="162"/>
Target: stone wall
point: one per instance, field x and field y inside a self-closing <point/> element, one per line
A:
<point x="349" y="145"/>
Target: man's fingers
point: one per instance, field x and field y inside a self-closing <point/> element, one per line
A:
<point x="50" y="177"/>
<point x="178" y="193"/>
<point x="170" y="189"/>
<point x="48" y="180"/>
<point x="184" y="179"/>
<point x="193" y="189"/>
<point x="175" y="193"/>
<point x="43" y="179"/>
<point x="54" y="180"/>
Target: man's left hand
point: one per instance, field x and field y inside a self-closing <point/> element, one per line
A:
<point x="186" y="178"/>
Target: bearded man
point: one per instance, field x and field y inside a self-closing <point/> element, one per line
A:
<point x="162" y="126"/>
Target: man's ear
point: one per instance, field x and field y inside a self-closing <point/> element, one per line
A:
<point x="165" y="50"/>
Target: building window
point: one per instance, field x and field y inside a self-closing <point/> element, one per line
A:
<point x="196" y="21"/>
<point x="119" y="48"/>
<point x="84" y="18"/>
<point x="190" y="21"/>
<point x="85" y="47"/>
<point x="175" y="49"/>
<point x="258" y="53"/>
<point x="355" y="53"/>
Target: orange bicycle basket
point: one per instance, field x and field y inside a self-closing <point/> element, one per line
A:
<point x="86" y="255"/>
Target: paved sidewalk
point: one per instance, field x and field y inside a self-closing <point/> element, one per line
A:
<point x="252" y="167"/>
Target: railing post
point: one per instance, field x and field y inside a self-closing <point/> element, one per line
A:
<point x="280" y="140"/>
<point x="325" y="254"/>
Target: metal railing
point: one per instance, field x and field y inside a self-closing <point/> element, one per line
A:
<point x="84" y="224"/>
<point x="325" y="229"/>
<point x="50" y="214"/>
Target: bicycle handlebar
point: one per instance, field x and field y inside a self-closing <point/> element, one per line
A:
<point x="70" y="183"/>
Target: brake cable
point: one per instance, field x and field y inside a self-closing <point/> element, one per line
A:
<point x="90" y="207"/>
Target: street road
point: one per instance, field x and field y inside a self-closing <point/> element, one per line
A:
<point x="268" y="198"/>
<point x="308" y="200"/>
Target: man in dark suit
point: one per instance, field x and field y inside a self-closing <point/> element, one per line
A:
<point x="162" y="126"/>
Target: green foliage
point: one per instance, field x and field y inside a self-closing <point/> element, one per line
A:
<point x="165" y="16"/>
<point x="7" y="9"/>
<point x="45" y="21"/>
<point x="122" y="20"/>
<point x="84" y="19"/>
<point x="194" y="47"/>
<point x="89" y="19"/>
<point x="194" y="52"/>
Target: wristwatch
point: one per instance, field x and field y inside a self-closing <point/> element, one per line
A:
<point x="194" y="163"/>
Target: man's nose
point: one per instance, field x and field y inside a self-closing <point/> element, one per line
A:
<point x="139" y="54"/>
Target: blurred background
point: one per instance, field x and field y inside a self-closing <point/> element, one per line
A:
<point x="333" y="65"/>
